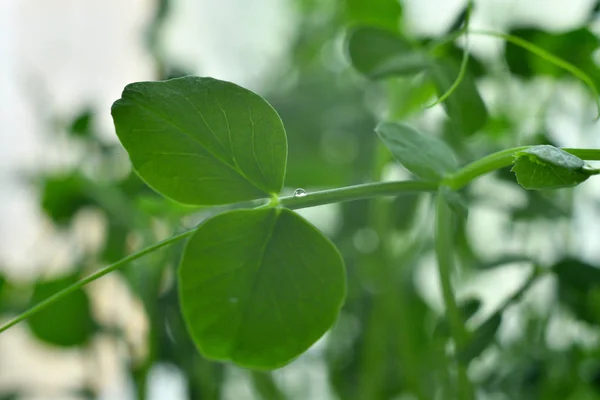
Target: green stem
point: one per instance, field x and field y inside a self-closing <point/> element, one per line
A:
<point x="465" y="59"/>
<point x="585" y="154"/>
<point x="484" y="165"/>
<point x="444" y="254"/>
<point x="455" y="181"/>
<point x="357" y="192"/>
<point x="90" y="278"/>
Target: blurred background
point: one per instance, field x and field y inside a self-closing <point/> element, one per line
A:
<point x="69" y="203"/>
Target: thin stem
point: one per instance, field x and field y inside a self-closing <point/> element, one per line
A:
<point x="90" y="278"/>
<point x="482" y="166"/>
<point x="443" y="248"/>
<point x="357" y="192"/>
<point x="464" y="62"/>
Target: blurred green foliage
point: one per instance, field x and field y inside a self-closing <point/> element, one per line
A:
<point x="389" y="340"/>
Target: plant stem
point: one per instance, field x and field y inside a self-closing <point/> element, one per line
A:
<point x="482" y="166"/>
<point x="90" y="278"/>
<point x="585" y="154"/>
<point x="465" y="58"/>
<point x="443" y="248"/>
<point x="501" y="159"/>
<point x="455" y="181"/>
<point x="357" y="192"/>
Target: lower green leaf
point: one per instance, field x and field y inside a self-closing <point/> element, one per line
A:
<point x="259" y="287"/>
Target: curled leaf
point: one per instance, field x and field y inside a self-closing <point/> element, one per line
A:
<point x="547" y="167"/>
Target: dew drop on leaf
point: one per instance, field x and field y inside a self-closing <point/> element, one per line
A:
<point x="300" y="192"/>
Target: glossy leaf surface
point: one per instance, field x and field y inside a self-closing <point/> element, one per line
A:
<point x="202" y="141"/>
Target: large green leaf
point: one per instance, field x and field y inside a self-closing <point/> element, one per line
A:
<point x="378" y="53"/>
<point x="465" y="108"/>
<point x="427" y="157"/>
<point x="259" y="287"/>
<point x="67" y="322"/>
<point x="202" y="141"/>
<point x="548" y="167"/>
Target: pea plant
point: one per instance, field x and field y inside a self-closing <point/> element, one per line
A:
<point x="257" y="283"/>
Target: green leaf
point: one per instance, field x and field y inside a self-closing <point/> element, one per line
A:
<point x="201" y="141"/>
<point x="66" y="323"/>
<point x="465" y="108"/>
<point x="425" y="156"/>
<point x="384" y="13"/>
<point x="64" y="195"/>
<point x="82" y="126"/>
<point x="547" y="167"/>
<point x="378" y="53"/>
<point x="259" y="287"/>
<point x="481" y="339"/>
<point x="577" y="274"/>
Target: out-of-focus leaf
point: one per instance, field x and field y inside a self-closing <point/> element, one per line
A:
<point x="503" y="260"/>
<point x="576" y="274"/>
<point x="403" y="210"/>
<point x="265" y="386"/>
<point x="425" y="156"/>
<point x="547" y="167"/>
<point x="66" y="323"/>
<point x="465" y="108"/>
<point x="82" y="124"/>
<point x="115" y="243"/>
<point x="467" y="307"/>
<point x="378" y="53"/>
<point x="62" y="196"/>
<point x="480" y="340"/>
<point x="382" y="13"/>
<point x="576" y="47"/>
<point x="578" y="288"/>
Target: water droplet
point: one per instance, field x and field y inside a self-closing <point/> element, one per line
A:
<point x="233" y="300"/>
<point x="300" y="192"/>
